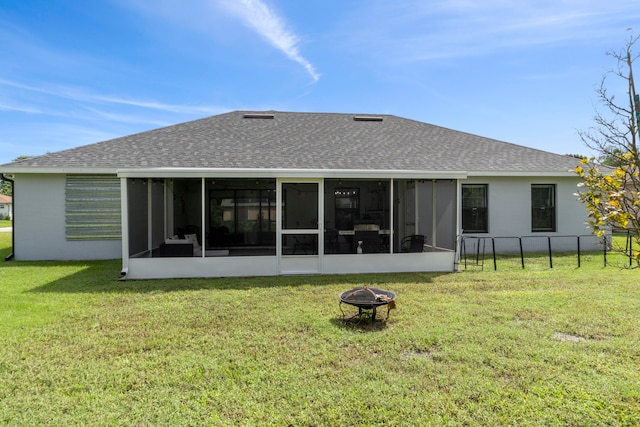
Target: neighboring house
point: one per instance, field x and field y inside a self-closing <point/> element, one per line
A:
<point x="268" y="193"/>
<point x="6" y="207"/>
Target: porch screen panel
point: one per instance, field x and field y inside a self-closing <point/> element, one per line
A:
<point x="92" y="207"/>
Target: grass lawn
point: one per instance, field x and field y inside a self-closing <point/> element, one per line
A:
<point x="507" y="347"/>
<point x="5" y="223"/>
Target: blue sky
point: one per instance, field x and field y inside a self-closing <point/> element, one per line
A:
<point x="73" y="73"/>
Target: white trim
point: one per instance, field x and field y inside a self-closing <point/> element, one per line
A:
<point x="321" y="196"/>
<point x="389" y="263"/>
<point x="298" y="231"/>
<point x="166" y="268"/>
<point x="520" y="174"/>
<point x="459" y="207"/>
<point x="274" y="173"/>
<point x="279" y="224"/>
<point x="300" y="264"/>
<point x="456" y="260"/>
<point x="204" y="216"/>
<point x="149" y="215"/>
<point x="287" y="173"/>
<point x="192" y="267"/>
<point x="124" y="215"/>
<point x="60" y="170"/>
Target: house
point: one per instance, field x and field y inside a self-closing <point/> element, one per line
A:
<point x="268" y="193"/>
<point x="6" y="207"/>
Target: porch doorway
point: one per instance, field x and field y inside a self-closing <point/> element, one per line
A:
<point x="299" y="226"/>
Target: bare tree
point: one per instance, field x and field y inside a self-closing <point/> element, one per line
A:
<point x="611" y="187"/>
<point x="616" y="133"/>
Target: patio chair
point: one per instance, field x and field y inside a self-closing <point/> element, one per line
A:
<point x="413" y="243"/>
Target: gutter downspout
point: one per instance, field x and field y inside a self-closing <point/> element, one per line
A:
<point x="13" y="217"/>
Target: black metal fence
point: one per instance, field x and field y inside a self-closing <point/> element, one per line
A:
<point x="616" y="249"/>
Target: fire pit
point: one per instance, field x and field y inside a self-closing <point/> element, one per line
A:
<point x="367" y="299"/>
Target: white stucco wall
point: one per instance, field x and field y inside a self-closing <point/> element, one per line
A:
<point x="39" y="225"/>
<point x="510" y="210"/>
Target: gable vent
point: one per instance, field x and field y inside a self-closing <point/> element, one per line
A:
<point x="367" y="118"/>
<point x="258" y="116"/>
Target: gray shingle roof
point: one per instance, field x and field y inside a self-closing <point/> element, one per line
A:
<point x="306" y="141"/>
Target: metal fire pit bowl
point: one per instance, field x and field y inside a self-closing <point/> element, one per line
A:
<point x="367" y="299"/>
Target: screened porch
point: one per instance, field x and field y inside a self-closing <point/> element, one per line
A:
<point x="273" y="226"/>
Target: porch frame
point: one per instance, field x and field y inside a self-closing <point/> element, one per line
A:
<point x="204" y="266"/>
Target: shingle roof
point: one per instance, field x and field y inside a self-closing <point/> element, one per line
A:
<point x="6" y="199"/>
<point x="306" y="141"/>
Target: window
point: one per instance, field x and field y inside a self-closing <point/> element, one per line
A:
<point x="543" y="207"/>
<point x="474" y="208"/>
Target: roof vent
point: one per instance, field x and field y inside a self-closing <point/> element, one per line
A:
<point x="367" y="118"/>
<point x="258" y="116"/>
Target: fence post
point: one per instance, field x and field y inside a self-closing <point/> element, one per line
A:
<point x="550" y="255"/>
<point x="605" y="249"/>
<point x="630" y="247"/>
<point x="463" y="251"/>
<point x="493" y="248"/>
<point x="521" y="253"/>
<point x="578" y="237"/>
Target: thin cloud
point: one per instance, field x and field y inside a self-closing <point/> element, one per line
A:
<point x="172" y="108"/>
<point x="76" y="94"/>
<point x="19" y="140"/>
<point x="19" y="108"/>
<point x="126" y="118"/>
<point x="414" y="30"/>
<point x="264" y="21"/>
<point x="209" y="17"/>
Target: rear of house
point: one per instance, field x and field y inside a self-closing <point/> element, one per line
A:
<point x="268" y="193"/>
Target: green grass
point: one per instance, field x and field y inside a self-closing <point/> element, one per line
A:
<point x="512" y="347"/>
<point x="5" y="223"/>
